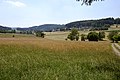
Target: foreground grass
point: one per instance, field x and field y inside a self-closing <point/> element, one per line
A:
<point x="43" y="59"/>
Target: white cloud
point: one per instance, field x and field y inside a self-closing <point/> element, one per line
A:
<point x="16" y="3"/>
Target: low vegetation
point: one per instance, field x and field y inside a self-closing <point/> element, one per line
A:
<point x="40" y="34"/>
<point x="93" y="36"/>
<point x="27" y="57"/>
<point x="74" y="35"/>
<point x="44" y="59"/>
<point x="83" y="37"/>
<point x="114" y="36"/>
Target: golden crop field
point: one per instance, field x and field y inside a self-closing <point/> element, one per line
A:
<point x="61" y="35"/>
<point x="115" y="27"/>
<point x="32" y="58"/>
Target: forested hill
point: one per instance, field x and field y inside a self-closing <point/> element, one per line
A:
<point x="100" y="23"/>
<point x="5" y="28"/>
<point x="94" y="23"/>
<point x="47" y="27"/>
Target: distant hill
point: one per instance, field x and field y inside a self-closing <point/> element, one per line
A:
<point x="45" y="27"/>
<point x="99" y="24"/>
<point x="5" y="28"/>
<point x="22" y="29"/>
<point x="107" y="22"/>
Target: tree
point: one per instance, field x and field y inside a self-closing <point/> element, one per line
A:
<point x="83" y="37"/>
<point x="100" y="24"/>
<point x="118" y="37"/>
<point x="101" y="35"/>
<point x="111" y="34"/>
<point x="88" y="2"/>
<point x="93" y="36"/>
<point x="74" y="35"/>
<point x="40" y="34"/>
<point x="13" y="36"/>
<point x="115" y="37"/>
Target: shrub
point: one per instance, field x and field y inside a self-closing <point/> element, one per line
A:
<point x="40" y="34"/>
<point x="115" y="37"/>
<point x="92" y="36"/>
<point x="13" y="36"/>
<point x="74" y="35"/>
<point x="119" y="37"/>
<point x="101" y="35"/>
<point x="82" y="37"/>
<point x="111" y="34"/>
<point x="66" y="39"/>
<point x="77" y="38"/>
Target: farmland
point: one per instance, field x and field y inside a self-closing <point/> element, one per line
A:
<point x="31" y="58"/>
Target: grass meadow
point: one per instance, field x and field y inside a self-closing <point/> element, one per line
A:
<point x="61" y="35"/>
<point x="31" y="58"/>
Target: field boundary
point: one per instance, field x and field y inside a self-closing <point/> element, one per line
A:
<point x="114" y="45"/>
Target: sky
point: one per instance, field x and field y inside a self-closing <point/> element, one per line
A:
<point x="28" y="13"/>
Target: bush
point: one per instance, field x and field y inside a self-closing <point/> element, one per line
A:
<point x="93" y="36"/>
<point x="82" y="37"/>
<point x="13" y="36"/>
<point x="77" y="38"/>
<point x="115" y="37"/>
<point x="40" y="34"/>
<point x="111" y="35"/>
<point x="101" y="35"/>
<point x="119" y="37"/>
<point x="74" y="35"/>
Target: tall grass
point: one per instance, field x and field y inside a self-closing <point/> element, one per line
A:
<point x="10" y="35"/>
<point x="44" y="59"/>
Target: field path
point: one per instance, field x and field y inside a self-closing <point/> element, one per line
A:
<point x="117" y="45"/>
<point x="116" y="50"/>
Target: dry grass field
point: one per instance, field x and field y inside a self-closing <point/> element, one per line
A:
<point x="8" y="35"/>
<point x="113" y="27"/>
<point x="56" y="35"/>
<point x="61" y="35"/>
<point x="32" y="58"/>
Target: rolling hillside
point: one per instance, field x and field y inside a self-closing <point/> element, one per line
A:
<point x="99" y="24"/>
<point x="45" y="27"/>
<point x="4" y="28"/>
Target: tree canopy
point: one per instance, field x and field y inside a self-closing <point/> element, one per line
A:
<point x="100" y="24"/>
<point x="74" y="35"/>
<point x="111" y="35"/>
<point x="93" y="36"/>
<point x="88" y="2"/>
<point x="40" y="34"/>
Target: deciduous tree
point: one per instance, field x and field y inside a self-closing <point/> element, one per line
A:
<point x="101" y="35"/>
<point x="92" y="36"/>
<point x="111" y="34"/>
<point x="74" y="35"/>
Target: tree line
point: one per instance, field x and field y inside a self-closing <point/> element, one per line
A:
<point x="114" y="36"/>
<point x="101" y="23"/>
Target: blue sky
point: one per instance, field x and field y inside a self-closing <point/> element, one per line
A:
<point x="27" y="13"/>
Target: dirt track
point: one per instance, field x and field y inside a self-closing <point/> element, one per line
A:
<point x="117" y="52"/>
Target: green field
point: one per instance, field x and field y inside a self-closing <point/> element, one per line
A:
<point x="29" y="58"/>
